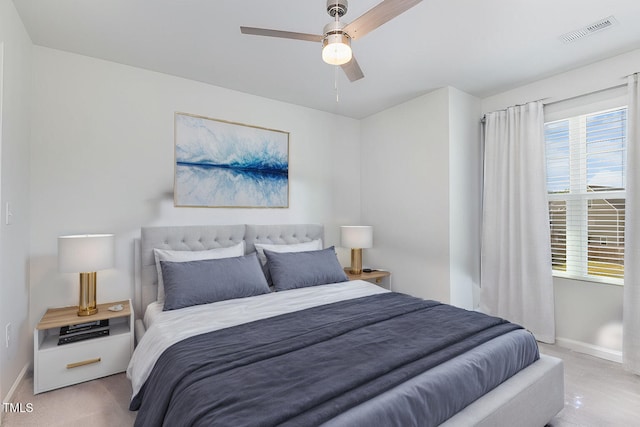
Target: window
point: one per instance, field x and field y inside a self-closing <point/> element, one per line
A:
<point x="586" y="158"/>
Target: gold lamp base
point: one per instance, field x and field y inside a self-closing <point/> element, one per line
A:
<point x="356" y="261"/>
<point x="87" y="302"/>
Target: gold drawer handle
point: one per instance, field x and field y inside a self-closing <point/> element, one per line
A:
<point x="83" y="363"/>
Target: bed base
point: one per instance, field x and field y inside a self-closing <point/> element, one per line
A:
<point x="531" y="398"/>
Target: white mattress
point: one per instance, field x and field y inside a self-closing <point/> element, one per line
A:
<point x="165" y="328"/>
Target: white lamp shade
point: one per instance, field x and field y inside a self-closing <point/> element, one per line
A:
<point x="356" y="236"/>
<point x="336" y="49"/>
<point x="86" y="253"/>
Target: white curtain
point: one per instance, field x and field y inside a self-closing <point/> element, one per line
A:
<point x="516" y="277"/>
<point x="631" y="309"/>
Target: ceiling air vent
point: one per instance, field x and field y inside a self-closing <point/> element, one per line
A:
<point x="589" y="29"/>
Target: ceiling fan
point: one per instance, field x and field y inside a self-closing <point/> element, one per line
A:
<point x="337" y="36"/>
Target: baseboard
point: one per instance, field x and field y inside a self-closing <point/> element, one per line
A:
<point x="590" y="349"/>
<point x="13" y="388"/>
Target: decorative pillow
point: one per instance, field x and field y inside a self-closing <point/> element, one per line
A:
<point x="182" y="256"/>
<point x="290" y="270"/>
<point x="292" y="247"/>
<point x="201" y="282"/>
<point x="313" y="245"/>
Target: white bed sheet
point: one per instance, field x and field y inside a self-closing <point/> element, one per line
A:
<point x="165" y="328"/>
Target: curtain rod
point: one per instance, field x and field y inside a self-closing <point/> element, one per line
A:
<point x="483" y="119"/>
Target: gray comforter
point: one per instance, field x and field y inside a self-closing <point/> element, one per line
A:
<point x="306" y="367"/>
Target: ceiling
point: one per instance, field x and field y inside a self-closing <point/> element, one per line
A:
<point x="481" y="47"/>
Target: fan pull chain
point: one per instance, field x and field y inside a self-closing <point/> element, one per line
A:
<point x="335" y="83"/>
<point x="335" y="75"/>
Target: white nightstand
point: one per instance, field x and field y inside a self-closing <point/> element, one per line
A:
<point x="381" y="278"/>
<point x="56" y="366"/>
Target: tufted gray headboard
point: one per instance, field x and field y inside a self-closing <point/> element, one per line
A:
<point x="202" y="237"/>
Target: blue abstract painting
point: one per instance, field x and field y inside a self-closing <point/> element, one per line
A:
<point x="225" y="164"/>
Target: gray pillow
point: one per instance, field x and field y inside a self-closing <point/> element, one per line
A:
<point x="202" y="282"/>
<point x="290" y="270"/>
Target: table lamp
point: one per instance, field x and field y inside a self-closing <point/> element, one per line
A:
<point x="356" y="237"/>
<point x="86" y="254"/>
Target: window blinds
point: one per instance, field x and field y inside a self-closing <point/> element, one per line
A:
<point x="586" y="158"/>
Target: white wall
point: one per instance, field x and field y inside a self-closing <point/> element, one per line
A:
<point x="103" y="160"/>
<point x="588" y="315"/>
<point x="14" y="189"/>
<point x="405" y="193"/>
<point x="408" y="184"/>
<point x="597" y="76"/>
<point x="465" y="197"/>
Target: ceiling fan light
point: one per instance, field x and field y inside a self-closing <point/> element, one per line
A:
<point x="336" y="49"/>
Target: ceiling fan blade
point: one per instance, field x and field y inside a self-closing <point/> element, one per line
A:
<point x="352" y="70"/>
<point x="378" y="15"/>
<point x="281" y="34"/>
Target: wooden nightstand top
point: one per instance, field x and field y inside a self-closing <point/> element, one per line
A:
<point x="374" y="275"/>
<point x="64" y="316"/>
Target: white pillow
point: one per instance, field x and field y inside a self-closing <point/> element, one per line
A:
<point x="314" y="245"/>
<point x="183" y="256"/>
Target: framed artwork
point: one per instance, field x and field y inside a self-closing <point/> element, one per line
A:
<point x="231" y="165"/>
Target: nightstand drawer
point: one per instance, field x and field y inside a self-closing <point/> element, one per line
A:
<point x="73" y="363"/>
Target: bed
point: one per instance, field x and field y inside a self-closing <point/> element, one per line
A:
<point x="267" y="358"/>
